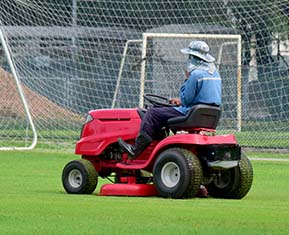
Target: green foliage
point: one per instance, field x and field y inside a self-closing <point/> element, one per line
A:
<point x="264" y="19"/>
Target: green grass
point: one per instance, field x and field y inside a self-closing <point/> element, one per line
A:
<point x="32" y="201"/>
<point x="260" y="139"/>
<point x="270" y="155"/>
<point x="263" y="139"/>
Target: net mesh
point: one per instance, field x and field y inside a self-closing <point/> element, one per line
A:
<point x="72" y="56"/>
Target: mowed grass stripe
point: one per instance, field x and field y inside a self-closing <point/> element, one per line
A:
<point x="32" y="201"/>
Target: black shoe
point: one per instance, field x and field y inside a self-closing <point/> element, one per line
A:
<point x="142" y="141"/>
<point x="129" y="149"/>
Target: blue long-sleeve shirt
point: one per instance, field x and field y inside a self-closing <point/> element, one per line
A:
<point x="202" y="87"/>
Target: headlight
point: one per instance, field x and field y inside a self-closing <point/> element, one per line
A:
<point x="89" y="118"/>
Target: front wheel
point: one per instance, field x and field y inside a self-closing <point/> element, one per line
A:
<point x="233" y="183"/>
<point x="177" y="173"/>
<point x="79" y="177"/>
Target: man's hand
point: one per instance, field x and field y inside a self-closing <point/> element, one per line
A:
<point x="175" y="101"/>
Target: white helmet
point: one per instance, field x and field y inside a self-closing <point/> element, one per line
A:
<point x="199" y="49"/>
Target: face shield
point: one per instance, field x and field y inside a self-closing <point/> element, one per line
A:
<point x="192" y="63"/>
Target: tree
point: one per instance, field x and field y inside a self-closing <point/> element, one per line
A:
<point x="263" y="18"/>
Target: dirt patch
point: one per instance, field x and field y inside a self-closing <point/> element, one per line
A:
<point x="40" y="107"/>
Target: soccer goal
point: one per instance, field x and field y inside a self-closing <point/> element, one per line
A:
<point x="162" y="69"/>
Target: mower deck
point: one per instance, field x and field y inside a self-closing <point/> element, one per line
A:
<point x="138" y="190"/>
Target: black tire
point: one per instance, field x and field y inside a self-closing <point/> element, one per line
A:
<point x="233" y="183"/>
<point x="177" y="173"/>
<point x="79" y="177"/>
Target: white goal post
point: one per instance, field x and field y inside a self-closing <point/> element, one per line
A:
<point x="226" y="40"/>
<point x="122" y="63"/>
<point x="22" y="97"/>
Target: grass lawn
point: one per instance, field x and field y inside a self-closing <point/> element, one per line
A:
<point x="32" y="201"/>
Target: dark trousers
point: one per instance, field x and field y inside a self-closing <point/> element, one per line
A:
<point x="156" y="118"/>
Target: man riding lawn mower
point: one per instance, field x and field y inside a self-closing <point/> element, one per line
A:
<point x="125" y="143"/>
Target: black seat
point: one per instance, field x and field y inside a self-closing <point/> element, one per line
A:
<point x="200" y="116"/>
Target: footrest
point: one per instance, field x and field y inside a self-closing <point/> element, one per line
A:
<point x="134" y="165"/>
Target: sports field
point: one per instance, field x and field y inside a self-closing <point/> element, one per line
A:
<point x="32" y="201"/>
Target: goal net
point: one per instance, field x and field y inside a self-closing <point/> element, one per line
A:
<point x="61" y="58"/>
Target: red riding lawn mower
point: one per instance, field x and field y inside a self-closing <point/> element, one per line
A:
<point x="187" y="156"/>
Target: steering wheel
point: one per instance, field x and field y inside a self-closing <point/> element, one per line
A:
<point x="158" y="101"/>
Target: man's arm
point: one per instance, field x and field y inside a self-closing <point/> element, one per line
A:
<point x="188" y="90"/>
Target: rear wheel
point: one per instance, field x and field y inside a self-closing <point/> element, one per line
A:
<point x="79" y="177"/>
<point x="177" y="173"/>
<point x="233" y="183"/>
